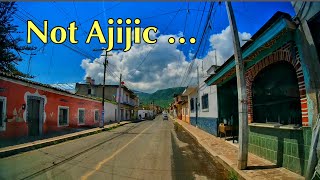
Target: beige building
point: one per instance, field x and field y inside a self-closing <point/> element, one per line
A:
<point x="129" y="101"/>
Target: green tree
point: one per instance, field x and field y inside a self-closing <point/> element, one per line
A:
<point x="10" y="48"/>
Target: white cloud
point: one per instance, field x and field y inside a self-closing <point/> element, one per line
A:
<point x="223" y="44"/>
<point x="162" y="68"/>
<point x="164" y="65"/>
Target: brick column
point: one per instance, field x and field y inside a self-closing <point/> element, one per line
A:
<point x="249" y="100"/>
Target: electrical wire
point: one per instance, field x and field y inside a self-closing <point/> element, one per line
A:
<point x="192" y="62"/>
<point x="184" y="32"/>
<point x="144" y="59"/>
<point x="70" y="46"/>
<point x="202" y="37"/>
<point x="87" y="20"/>
<point x="27" y="14"/>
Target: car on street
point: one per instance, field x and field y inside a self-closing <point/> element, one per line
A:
<point x="165" y="116"/>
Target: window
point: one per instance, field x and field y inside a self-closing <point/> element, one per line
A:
<point x="192" y="105"/>
<point x="81" y="116"/>
<point x="276" y="100"/>
<point x="96" y="115"/>
<point x="2" y="113"/>
<point x="204" y="101"/>
<point x="63" y="116"/>
<point x="121" y="116"/>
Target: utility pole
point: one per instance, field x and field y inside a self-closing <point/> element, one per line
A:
<point x="215" y="57"/>
<point x="242" y="96"/>
<point x="153" y="108"/>
<point x="119" y="99"/>
<point x="104" y="82"/>
<point x="105" y="64"/>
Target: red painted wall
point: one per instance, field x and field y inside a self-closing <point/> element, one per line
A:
<point x="15" y="94"/>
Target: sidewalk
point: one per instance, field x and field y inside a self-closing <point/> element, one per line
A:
<point x="16" y="149"/>
<point x="27" y="139"/>
<point x="227" y="154"/>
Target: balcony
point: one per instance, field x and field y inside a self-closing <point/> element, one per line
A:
<point x="130" y="102"/>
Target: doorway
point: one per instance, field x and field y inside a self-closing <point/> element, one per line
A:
<point x="2" y="113"/>
<point x="34" y="115"/>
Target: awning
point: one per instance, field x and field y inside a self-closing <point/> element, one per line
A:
<point x="260" y="40"/>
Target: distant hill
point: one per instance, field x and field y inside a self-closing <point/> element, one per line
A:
<point x="141" y="94"/>
<point x="161" y="97"/>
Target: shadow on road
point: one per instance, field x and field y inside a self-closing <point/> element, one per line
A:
<point x="191" y="161"/>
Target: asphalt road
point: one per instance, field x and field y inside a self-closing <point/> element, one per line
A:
<point x="153" y="150"/>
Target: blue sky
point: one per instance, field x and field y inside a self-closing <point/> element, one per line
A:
<point x="58" y="64"/>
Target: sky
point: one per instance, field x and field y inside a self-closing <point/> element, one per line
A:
<point x="145" y="67"/>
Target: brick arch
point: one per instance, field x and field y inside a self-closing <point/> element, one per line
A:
<point x="283" y="54"/>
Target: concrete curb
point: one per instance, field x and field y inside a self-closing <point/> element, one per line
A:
<point x="221" y="159"/>
<point x="13" y="150"/>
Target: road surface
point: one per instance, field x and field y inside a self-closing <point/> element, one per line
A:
<point x="154" y="149"/>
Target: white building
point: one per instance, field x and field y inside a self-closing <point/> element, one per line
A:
<point x="145" y="114"/>
<point x="110" y="112"/>
<point x="205" y="114"/>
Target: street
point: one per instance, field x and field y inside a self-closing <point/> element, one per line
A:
<point x="154" y="149"/>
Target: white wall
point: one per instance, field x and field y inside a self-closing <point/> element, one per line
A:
<point x="212" y="111"/>
<point x="142" y="113"/>
<point x="109" y="111"/>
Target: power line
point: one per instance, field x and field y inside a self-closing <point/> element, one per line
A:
<point x="85" y="21"/>
<point x="67" y="44"/>
<point x="117" y="78"/>
<point x="185" y="23"/>
<point x="29" y="61"/>
<point x="137" y="68"/>
<point x="201" y="18"/>
<point x="184" y="29"/>
<point x="191" y="64"/>
<point x="185" y="76"/>
<point x="196" y="19"/>
<point x="170" y="12"/>
<point x="80" y="28"/>
<point x="162" y="14"/>
<point x="202" y="37"/>
<point x="21" y="18"/>
<point x="77" y="18"/>
<point x="50" y="63"/>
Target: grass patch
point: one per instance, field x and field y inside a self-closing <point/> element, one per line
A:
<point x="232" y="175"/>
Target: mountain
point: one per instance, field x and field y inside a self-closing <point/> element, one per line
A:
<point x="161" y="97"/>
<point x="141" y="94"/>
